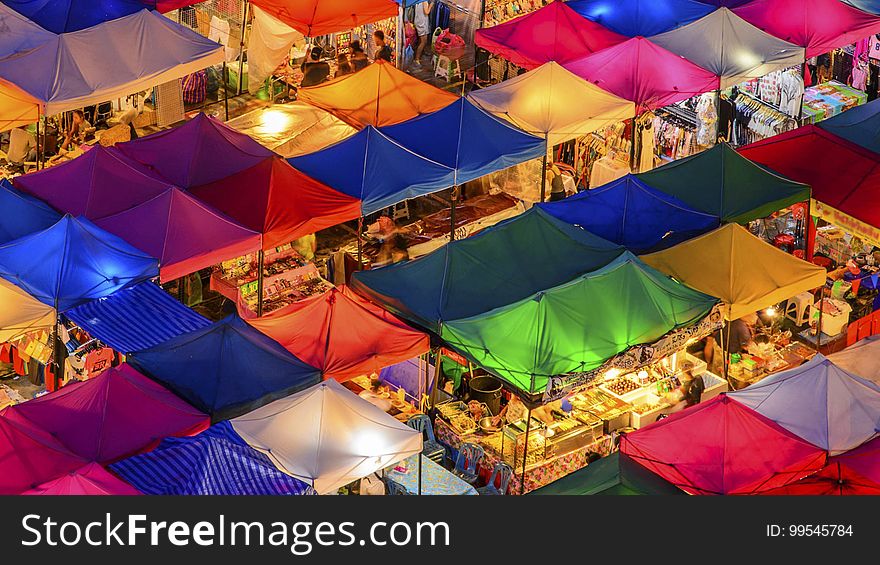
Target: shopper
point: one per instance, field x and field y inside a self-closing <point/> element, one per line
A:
<point x="423" y="29"/>
<point x="343" y="67"/>
<point x="306" y="246"/>
<point x="383" y="52"/>
<point x="357" y="56"/>
<point x="315" y="71"/>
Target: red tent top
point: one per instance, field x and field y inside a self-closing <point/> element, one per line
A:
<point x="118" y="413"/>
<point x="278" y="201"/>
<point x="29" y="456"/>
<point x="321" y="17"/>
<point x="722" y="447"/>
<point x="88" y="481"/>
<point x="818" y="25"/>
<point x="836" y="479"/>
<point x="644" y="73"/>
<point x="553" y="33"/>
<point x="343" y="334"/>
<point x="864" y="460"/>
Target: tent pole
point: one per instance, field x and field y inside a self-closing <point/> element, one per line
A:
<point x="544" y="175"/>
<point x="522" y="482"/>
<point x="225" y="94"/>
<point x="438" y="370"/>
<point x="260" y="259"/>
<point x="244" y="18"/>
<point x="819" y="328"/>
<point x="56" y="357"/>
<point x="39" y="146"/>
<point x="420" y="474"/>
<point x="360" y="243"/>
<point x="452" y="214"/>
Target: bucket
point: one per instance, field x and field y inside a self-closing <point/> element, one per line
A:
<point x="487" y="390"/>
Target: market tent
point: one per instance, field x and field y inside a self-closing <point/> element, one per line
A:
<point x="475" y="275"/>
<point x="553" y="103"/>
<point x="19" y="33"/>
<point x="113" y="415"/>
<point x="721" y="182"/>
<point x="644" y="73"/>
<point x="577" y="326"/>
<point x="379" y="95"/>
<point x="641" y="17"/>
<point x="322" y="17"/>
<point x="861" y="358"/>
<point x="819" y="25"/>
<point x="722" y="447"/>
<point x="745" y="272"/>
<point x="340" y="437"/>
<point x="90" y="480"/>
<point x="17" y="107"/>
<point x="20" y="313"/>
<point x="225" y="369"/>
<point x="615" y="474"/>
<point x="466" y="139"/>
<point x="73" y="262"/>
<point x="820" y="402"/>
<point x="552" y="33"/>
<point x="375" y="169"/>
<point x="292" y="129"/>
<point x="632" y="214"/>
<point x="343" y="334"/>
<point x="60" y="16"/>
<point x="836" y="479"/>
<point x="22" y="214"/>
<point x="859" y="125"/>
<point x="76" y="69"/>
<point x="215" y="462"/>
<point x="730" y="47"/>
<point x="29" y="457"/>
<point x="864" y="460"/>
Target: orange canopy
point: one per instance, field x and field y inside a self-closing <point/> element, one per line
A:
<point x="379" y="95"/>
<point x="17" y="108"/>
<point x="320" y="17"/>
<point x="343" y="334"/>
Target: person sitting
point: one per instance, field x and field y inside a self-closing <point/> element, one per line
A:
<point x="383" y="51"/>
<point x="343" y="67"/>
<point x="77" y="131"/>
<point x="357" y="57"/>
<point x="315" y="71"/>
<point x="22" y="148"/>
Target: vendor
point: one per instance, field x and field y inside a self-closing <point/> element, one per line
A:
<point x="76" y="133"/>
<point x="690" y="392"/>
<point x="306" y="246"/>
<point x="516" y="411"/>
<point x="735" y="337"/>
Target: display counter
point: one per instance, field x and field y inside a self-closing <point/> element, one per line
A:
<point x="829" y="99"/>
<point x="772" y="358"/>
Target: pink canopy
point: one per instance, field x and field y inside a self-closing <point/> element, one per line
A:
<point x="30" y="456"/>
<point x="552" y="33"/>
<point x="118" y="413"/>
<point x="818" y="25"/>
<point x="90" y="480"/>
<point x="644" y="73"/>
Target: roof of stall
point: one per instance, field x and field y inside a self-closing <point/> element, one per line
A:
<point x="616" y="474"/>
<point x="89" y="480"/>
<point x="322" y="17"/>
<point x="835" y="479"/>
<point x="17" y="107"/>
<point x="60" y="16"/>
<point x="864" y="460"/>
<point x="859" y="125"/>
<point x="21" y="313"/>
<point x="641" y="17"/>
<point x="22" y="214"/>
<point x="31" y="457"/>
<point x="862" y="359"/>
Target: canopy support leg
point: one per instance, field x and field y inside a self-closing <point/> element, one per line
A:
<point x="819" y="328"/>
<point x="544" y="176"/>
<point x="260" y="259"/>
<point x="225" y="94"/>
<point x="39" y="145"/>
<point x="452" y="213"/>
<point x="244" y="19"/>
<point x="522" y="482"/>
<point x="360" y="243"/>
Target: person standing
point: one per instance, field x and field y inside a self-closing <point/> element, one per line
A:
<point x="383" y="51"/>
<point x="735" y="337"/>
<point x="423" y="29"/>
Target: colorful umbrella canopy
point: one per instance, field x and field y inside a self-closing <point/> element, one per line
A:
<point x="641" y="17"/>
<point x="17" y="107"/>
<point x="90" y="480"/>
<point x="31" y="457"/>
<point x="21" y="313"/>
<point x="61" y="16"/>
<point x="836" y="479"/>
<point x="616" y="474"/>
<point x="859" y="125"/>
<point x="322" y="17"/>
<point x="22" y="214"/>
<point x="861" y="358"/>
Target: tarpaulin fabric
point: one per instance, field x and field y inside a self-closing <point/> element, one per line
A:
<point x="468" y="140"/>
<point x="632" y="214"/>
<point x="836" y="479"/>
<point x="552" y="33"/>
<point x="745" y="272"/>
<point x="644" y="73"/>
<point x="577" y="326"/>
<point x="76" y="69"/>
<point x="19" y="33"/>
<point x="730" y="47"/>
<point x="60" y="16"/>
<point x="269" y="43"/>
<point x="215" y="462"/>
<point x="722" y="447"/>
<point x="225" y="369"/>
<point x="721" y="182"/>
<point x="90" y="480"/>
<point x="859" y="125"/>
<point x="819" y="25"/>
<point x="136" y="318"/>
<point x="73" y="262"/>
<point x="864" y="460"/>
<point x="31" y="457"/>
<point x="20" y="313"/>
<point x="616" y="474"/>
<point x="553" y="103"/>
<point x="820" y="402"/>
<point x="379" y="95"/>
<point x="375" y="169"/>
<point x="861" y="359"/>
<point x="475" y="275"/>
<point x="342" y="334"/>
<point x="340" y="437"/>
<point x="278" y="201"/>
<point x="22" y="214"/>
<point x="17" y="107"/>
<point x="113" y="415"/>
<point x="641" y="17"/>
<point x="322" y="17"/>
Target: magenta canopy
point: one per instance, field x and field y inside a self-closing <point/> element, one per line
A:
<point x="553" y="33"/>
<point x="90" y="480"/>
<point x="30" y="456"/>
<point x="644" y="73"/>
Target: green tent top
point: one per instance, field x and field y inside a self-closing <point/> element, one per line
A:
<point x="616" y="474"/>
<point x="576" y="327"/>
<point x="722" y="182"/>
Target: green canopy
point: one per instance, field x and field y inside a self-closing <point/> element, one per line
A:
<point x="616" y="474"/>
<point x="722" y="182"/>
<point x="578" y="326"/>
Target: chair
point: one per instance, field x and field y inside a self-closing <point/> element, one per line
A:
<point x="395" y="489"/>
<point x="501" y="472"/>
<point x="431" y="448"/>
<point x="469" y="457"/>
<point x="798" y="308"/>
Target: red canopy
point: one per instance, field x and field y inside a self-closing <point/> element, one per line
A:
<point x="29" y="456"/>
<point x="118" y="413"/>
<point x="722" y="447"/>
<point x="836" y="479"/>
<point x="88" y="481"/>
<point x="343" y="334"/>
<point x="321" y="17"/>
<point x="644" y="73"/>
<point x="552" y="33"/>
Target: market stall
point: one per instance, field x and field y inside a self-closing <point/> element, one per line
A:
<point x="616" y="474"/>
<point x="830" y="99"/>
<point x="862" y="359"/>
<point x="31" y="457"/>
<point x="642" y="17"/>
<point x="89" y="480"/>
<point x="435" y="479"/>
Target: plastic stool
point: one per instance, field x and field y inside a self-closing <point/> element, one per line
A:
<point x="447" y="68"/>
<point x="798" y="308"/>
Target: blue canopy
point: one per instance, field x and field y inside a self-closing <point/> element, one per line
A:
<point x="60" y="16"/>
<point x="226" y="369"/>
<point x="374" y="168"/>
<point x="215" y="462"/>
<point x="465" y="138"/>
<point x="72" y="262"/>
<point x="871" y="6"/>
<point x="641" y="17"/>
<point x="22" y="214"/>
<point x="631" y="213"/>
<point x="860" y="125"/>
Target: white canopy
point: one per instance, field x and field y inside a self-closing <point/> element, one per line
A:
<point x="327" y="436"/>
<point x="21" y="313"/>
<point x="862" y="359"/>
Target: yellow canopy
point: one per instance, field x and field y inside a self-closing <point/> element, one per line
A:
<point x="17" y="108"/>
<point x="379" y="95"/>
<point x="21" y="313"/>
<point x="552" y="102"/>
<point x="746" y="273"/>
